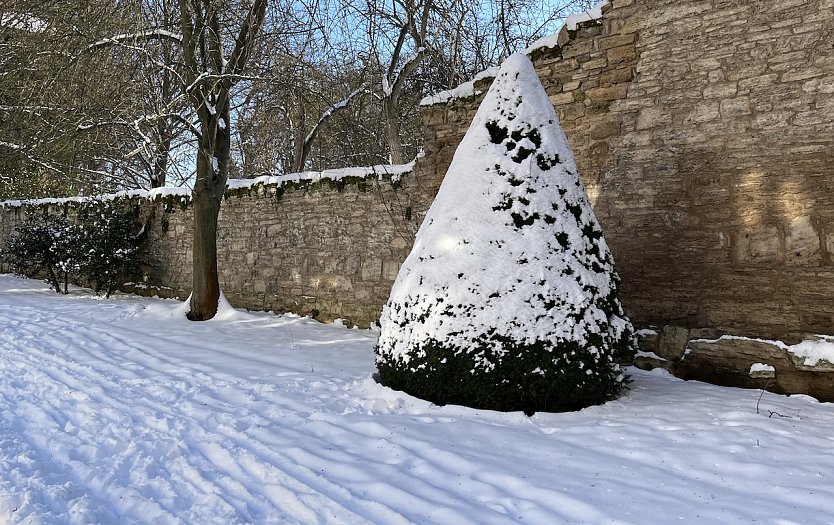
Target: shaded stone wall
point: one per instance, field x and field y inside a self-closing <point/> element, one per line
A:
<point x="330" y="249"/>
<point x="703" y="131"/>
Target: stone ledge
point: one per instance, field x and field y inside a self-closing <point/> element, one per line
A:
<point x="729" y="360"/>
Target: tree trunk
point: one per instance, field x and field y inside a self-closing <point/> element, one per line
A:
<point x="203" y="53"/>
<point x="205" y="291"/>
<point x="299" y="157"/>
<point x="212" y="173"/>
<point x="161" y="152"/>
<point x="392" y="131"/>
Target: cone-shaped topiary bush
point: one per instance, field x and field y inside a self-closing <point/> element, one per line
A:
<point x="508" y="300"/>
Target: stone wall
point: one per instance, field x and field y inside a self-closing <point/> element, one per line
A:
<point x="330" y="249"/>
<point x="704" y="131"/>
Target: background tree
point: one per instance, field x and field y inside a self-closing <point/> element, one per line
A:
<point x="83" y="107"/>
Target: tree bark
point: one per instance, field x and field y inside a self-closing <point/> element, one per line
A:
<point x="203" y="53"/>
<point x="392" y="131"/>
<point x="161" y="152"/>
<point x="212" y="173"/>
<point x="205" y="279"/>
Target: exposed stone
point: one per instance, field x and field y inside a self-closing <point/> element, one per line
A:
<point x="729" y="360"/>
<point x="802" y="243"/>
<point x="759" y="246"/>
<point x="672" y="342"/>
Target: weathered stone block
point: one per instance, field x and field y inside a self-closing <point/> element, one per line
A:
<point x="758" y="83"/>
<point x="621" y="55"/>
<point x="653" y="117"/>
<point x="802" y="243"/>
<point x="735" y="107"/>
<point x="672" y="342"/>
<point x="616" y="76"/>
<point x="390" y="268"/>
<point x="760" y="246"/>
<point x="703" y="112"/>
<point x="560" y="99"/>
<point x="721" y="90"/>
<point x="608" y="93"/>
<point x="371" y="269"/>
<point x="597" y="63"/>
<point x="615" y="41"/>
<point x="604" y="130"/>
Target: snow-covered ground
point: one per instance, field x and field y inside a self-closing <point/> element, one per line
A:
<point x="119" y="411"/>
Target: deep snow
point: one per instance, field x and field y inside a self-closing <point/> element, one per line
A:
<point x="119" y="411"/>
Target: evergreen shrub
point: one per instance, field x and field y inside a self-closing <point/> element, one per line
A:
<point x="99" y="248"/>
<point x="508" y="300"/>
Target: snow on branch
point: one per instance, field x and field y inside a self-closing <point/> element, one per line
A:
<point x="22" y="150"/>
<point x="332" y="110"/>
<point x="141" y="35"/>
<point x="10" y="145"/>
<point x="22" y="22"/>
<point x="389" y="87"/>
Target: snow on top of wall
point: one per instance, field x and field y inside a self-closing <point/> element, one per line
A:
<point x="395" y="171"/>
<point x="571" y="23"/>
<point x="154" y="194"/>
<point x="812" y="351"/>
<point x="467" y="89"/>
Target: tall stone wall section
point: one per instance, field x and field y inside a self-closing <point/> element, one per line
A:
<point x="704" y="132"/>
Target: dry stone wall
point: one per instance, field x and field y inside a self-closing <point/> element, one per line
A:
<point x="330" y="249"/>
<point x="704" y="132"/>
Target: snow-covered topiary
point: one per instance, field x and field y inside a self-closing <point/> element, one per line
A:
<point x="508" y="300"/>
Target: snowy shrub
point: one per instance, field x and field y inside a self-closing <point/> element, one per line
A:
<point x="99" y="248"/>
<point x="108" y="244"/>
<point x="508" y="300"/>
<point x="45" y="245"/>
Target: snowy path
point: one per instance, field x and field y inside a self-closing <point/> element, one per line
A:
<point x="118" y="411"/>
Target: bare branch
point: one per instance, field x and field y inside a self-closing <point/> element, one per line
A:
<point x="150" y="34"/>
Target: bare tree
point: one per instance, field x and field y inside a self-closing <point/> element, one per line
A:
<point x="89" y="100"/>
<point x="397" y="34"/>
<point x="209" y="77"/>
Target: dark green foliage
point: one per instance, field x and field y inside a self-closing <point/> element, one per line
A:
<point x="450" y="376"/>
<point x="109" y="245"/>
<point x="497" y="133"/>
<point x="100" y="248"/>
<point x="44" y="245"/>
